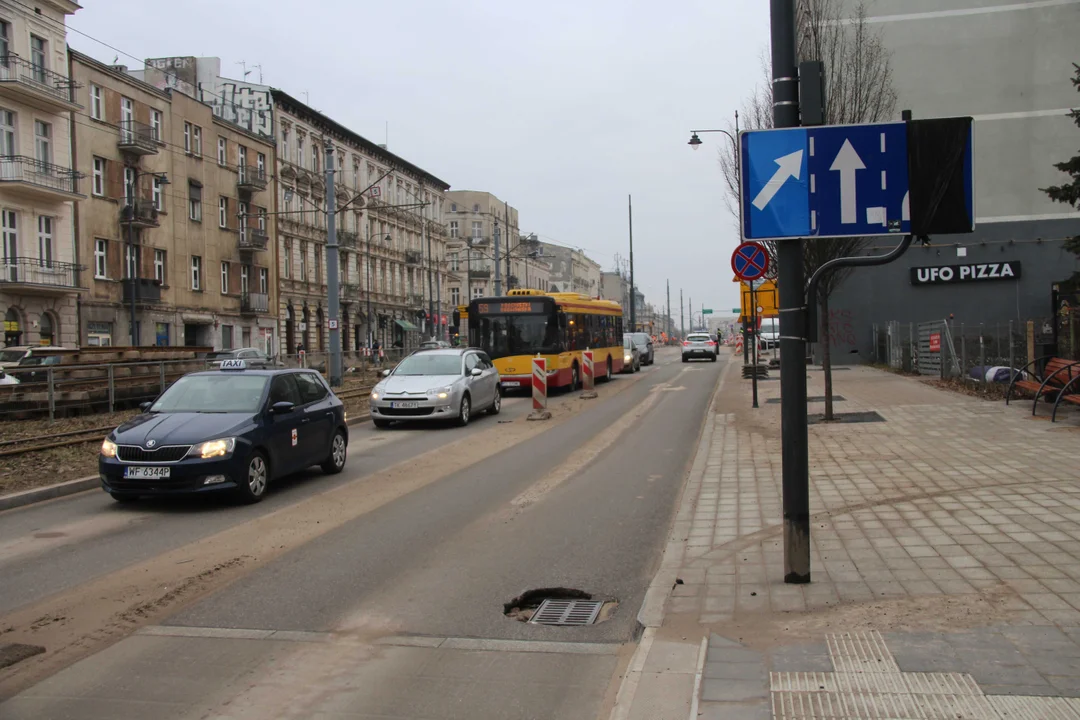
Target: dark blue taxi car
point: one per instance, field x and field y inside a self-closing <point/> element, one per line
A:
<point x="232" y="429"/>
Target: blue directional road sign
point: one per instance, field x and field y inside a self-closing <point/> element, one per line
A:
<point x="829" y="181"/>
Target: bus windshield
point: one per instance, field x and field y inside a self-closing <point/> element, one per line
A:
<point x="503" y="335"/>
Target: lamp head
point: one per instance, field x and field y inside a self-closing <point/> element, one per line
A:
<point x="695" y="141"/>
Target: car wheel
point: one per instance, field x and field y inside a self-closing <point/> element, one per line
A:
<point x="124" y="498"/>
<point x="496" y="404"/>
<point x="685" y="359"/>
<point x="339" y="449"/>
<point x="713" y="358"/>
<point x="252" y="487"/>
<point x="379" y="423"/>
<point x="463" y="411"/>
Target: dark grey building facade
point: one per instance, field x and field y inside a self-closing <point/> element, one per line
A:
<point x="1008" y="65"/>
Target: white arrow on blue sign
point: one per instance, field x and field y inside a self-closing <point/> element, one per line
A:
<point x="829" y="181"/>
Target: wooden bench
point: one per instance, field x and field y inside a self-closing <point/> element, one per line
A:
<point x="1057" y="373"/>
<point x="1070" y="394"/>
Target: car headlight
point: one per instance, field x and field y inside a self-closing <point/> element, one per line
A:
<point x="374" y="394"/>
<point x="627" y="358"/>
<point x="213" y="448"/>
<point x="441" y="393"/>
<point x="108" y="448"/>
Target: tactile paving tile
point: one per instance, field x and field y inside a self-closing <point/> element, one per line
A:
<point x="1023" y="707"/>
<point x="862" y="651"/>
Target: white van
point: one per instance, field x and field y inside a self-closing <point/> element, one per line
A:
<point x="769" y="333"/>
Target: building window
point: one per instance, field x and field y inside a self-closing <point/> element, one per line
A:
<point x="127" y="116"/>
<point x="222" y="151"/>
<point x="159" y="196"/>
<point x="196" y="272"/>
<point x="242" y="213"/>
<point x="241" y="156"/>
<point x="43" y="141"/>
<point x="101" y="259"/>
<point x="285" y="144"/>
<point x="194" y="202"/>
<point x="226" y="337"/>
<point x="129" y="185"/>
<point x="5" y="38"/>
<point x="96" y="100"/>
<point x="454" y="264"/>
<point x="314" y="157"/>
<point x="132" y="255"/>
<point x="245" y="274"/>
<point x="10" y="235"/>
<point x="300" y="150"/>
<point x="303" y="262"/>
<point x="262" y="219"/>
<point x="38" y="56"/>
<point x="476" y="208"/>
<point x="477" y="229"/>
<point x="155" y="130"/>
<point x="99" y="334"/>
<point x="455" y="296"/>
<point x="260" y="163"/>
<point x="7" y="133"/>
<point x="264" y="281"/>
<point x="479" y="291"/>
<point x="286" y="264"/>
<point x="45" y="239"/>
<point x="453" y="229"/>
<point x="224" y="278"/>
<point x="161" y="334"/>
<point x="453" y="207"/>
<point x="196" y="141"/>
<point x="99" y="176"/>
<point x="318" y="264"/>
<point x="223" y="212"/>
<point x="187" y="137"/>
<point x="159" y="266"/>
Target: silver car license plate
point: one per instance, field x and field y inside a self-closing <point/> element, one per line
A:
<point x="405" y="405"/>
<point x="146" y="473"/>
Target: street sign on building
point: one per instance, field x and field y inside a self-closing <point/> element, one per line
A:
<point x="829" y="181"/>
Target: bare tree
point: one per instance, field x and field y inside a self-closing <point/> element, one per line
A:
<point x="858" y="89"/>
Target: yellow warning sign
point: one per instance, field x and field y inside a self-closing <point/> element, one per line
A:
<point x="765" y="297"/>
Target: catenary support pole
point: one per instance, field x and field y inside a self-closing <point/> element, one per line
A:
<point x="498" y="272"/>
<point x="332" y="278"/>
<point x="682" y="317"/>
<point x="793" y="425"/>
<point x="633" y="293"/>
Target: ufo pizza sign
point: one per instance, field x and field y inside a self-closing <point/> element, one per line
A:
<point x="975" y="272"/>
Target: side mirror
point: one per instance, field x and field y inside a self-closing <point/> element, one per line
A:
<point x="385" y="373"/>
<point x="144" y="406"/>
<point x="476" y="372"/>
<point x="282" y="408"/>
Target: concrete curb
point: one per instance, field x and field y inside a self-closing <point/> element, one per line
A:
<point x="34" y="495"/>
<point x="70" y="487"/>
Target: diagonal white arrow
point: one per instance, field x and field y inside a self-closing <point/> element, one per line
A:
<point x="790" y="167"/>
<point x="847" y="163"/>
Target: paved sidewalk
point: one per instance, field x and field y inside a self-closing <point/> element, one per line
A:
<point x="945" y="559"/>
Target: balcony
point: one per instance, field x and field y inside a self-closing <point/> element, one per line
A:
<point x="147" y="291"/>
<point x="142" y="214"/>
<point x="38" y="180"/>
<point x="413" y="257"/>
<point x="33" y="276"/>
<point x="35" y="85"/>
<point x="251" y="178"/>
<point x="348" y="239"/>
<point x="481" y="274"/>
<point x="415" y="300"/>
<point x="253" y="239"/>
<point x="349" y="291"/>
<point x="252" y="303"/>
<point x="137" y="138"/>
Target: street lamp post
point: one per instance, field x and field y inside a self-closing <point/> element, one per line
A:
<point x="132" y="258"/>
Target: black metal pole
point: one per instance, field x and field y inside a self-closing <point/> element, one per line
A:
<point x="793" y="426"/>
<point x="754" y="324"/>
<point x="633" y="295"/>
<point x="133" y="265"/>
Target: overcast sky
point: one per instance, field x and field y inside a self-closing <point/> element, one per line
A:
<point x="560" y="108"/>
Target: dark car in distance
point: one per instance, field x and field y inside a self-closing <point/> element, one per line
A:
<point x="232" y="429"/>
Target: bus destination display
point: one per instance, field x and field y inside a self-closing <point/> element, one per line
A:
<point x="509" y="307"/>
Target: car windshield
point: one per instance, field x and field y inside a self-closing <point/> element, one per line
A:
<point x="224" y="393"/>
<point x="503" y="335"/>
<point x="12" y="356"/>
<point x="429" y="364"/>
<point x="698" y="338"/>
<point x="627" y="343"/>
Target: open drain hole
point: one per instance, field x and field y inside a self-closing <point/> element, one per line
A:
<point x="559" y="606"/>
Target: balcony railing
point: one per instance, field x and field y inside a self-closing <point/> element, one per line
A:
<point x="254" y="302"/>
<point x="348" y="239"/>
<point x="415" y="300"/>
<point x="40" y="80"/>
<point x="253" y="239"/>
<point x="349" y="291"/>
<point x="413" y="257"/>
<point x="142" y="214"/>
<point x="481" y="273"/>
<point x="45" y="274"/>
<point x="43" y="175"/>
<point x="148" y="291"/>
<point x="251" y="178"/>
<point x="137" y="138"/>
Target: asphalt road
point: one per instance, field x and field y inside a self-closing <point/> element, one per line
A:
<point x="398" y="611"/>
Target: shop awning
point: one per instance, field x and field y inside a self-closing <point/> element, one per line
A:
<point x="406" y="325"/>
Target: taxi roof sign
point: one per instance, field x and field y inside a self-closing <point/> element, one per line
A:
<point x="233" y="364"/>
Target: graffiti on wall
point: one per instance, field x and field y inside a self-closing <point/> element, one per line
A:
<point x="841" y="328"/>
<point x="246" y="105"/>
<point x="174" y="73"/>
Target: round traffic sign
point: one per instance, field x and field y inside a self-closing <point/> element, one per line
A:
<point x="750" y="261"/>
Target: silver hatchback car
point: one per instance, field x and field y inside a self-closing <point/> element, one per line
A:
<point x="438" y="384"/>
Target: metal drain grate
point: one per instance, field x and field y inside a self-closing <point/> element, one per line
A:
<point x="566" y="612"/>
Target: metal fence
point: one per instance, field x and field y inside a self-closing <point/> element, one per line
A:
<point x="947" y="348"/>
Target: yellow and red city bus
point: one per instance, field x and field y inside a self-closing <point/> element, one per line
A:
<point x="514" y="329"/>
